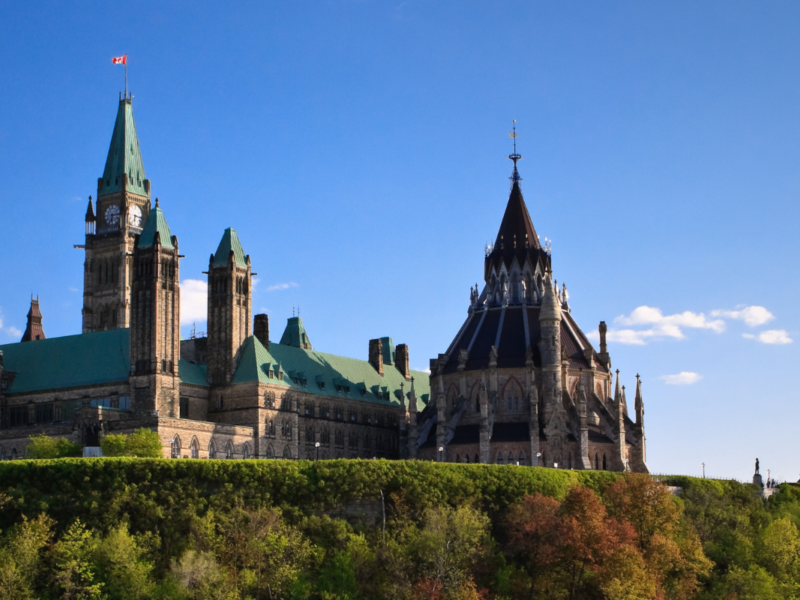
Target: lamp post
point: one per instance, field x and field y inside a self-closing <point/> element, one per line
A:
<point x="704" y="470"/>
<point x="538" y="456"/>
<point x="441" y="453"/>
<point x="317" y="448"/>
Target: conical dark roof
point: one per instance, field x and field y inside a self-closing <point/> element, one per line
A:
<point x="517" y="222"/>
<point x="517" y="237"/>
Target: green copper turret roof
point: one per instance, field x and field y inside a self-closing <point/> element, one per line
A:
<point x="229" y="243"/>
<point x="295" y="334"/>
<point x="124" y="157"/>
<point x="156" y="222"/>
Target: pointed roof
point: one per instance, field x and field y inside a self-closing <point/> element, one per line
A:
<point x="34" y="331"/>
<point x="124" y="156"/>
<point x="229" y="243"/>
<point x="517" y="236"/>
<point x="517" y="221"/>
<point x="295" y="334"/>
<point x="90" y="218"/>
<point x="156" y="223"/>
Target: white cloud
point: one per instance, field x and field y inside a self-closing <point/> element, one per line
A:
<point x="751" y="315"/>
<point x="772" y="336"/>
<point x="749" y="336"/>
<point x="657" y="325"/>
<point x="72" y="288"/>
<point x="13" y="332"/>
<point x="682" y="378"/>
<point x="194" y="301"/>
<point x="281" y="286"/>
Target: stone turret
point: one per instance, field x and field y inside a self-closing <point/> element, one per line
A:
<point x="34" y="330"/>
<point x="230" y="302"/>
<point x="550" y="350"/>
<point x="638" y="453"/>
<point x="155" y="318"/>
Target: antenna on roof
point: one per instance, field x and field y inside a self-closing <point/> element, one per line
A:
<point x="293" y="315"/>
<point x="514" y="157"/>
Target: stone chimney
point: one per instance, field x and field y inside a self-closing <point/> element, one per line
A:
<point x="376" y="355"/>
<point x="261" y="329"/>
<point x="603" y="355"/>
<point x="401" y="360"/>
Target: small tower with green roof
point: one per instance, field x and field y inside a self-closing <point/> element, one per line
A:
<point x="155" y="317"/>
<point x="230" y="310"/>
<point x="123" y="204"/>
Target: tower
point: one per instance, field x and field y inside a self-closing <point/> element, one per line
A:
<point x="229" y="306"/>
<point x="123" y="204"/>
<point x="155" y="317"/>
<point x="34" y="330"/>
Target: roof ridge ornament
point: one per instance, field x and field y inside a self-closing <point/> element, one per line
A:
<point x="515" y="178"/>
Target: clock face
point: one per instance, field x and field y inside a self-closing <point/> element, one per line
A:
<point x="135" y="216"/>
<point x="112" y="214"/>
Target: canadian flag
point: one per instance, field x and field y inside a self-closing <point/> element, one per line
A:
<point x="119" y="60"/>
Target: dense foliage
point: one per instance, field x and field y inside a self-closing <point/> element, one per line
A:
<point x="140" y="528"/>
<point x="142" y="443"/>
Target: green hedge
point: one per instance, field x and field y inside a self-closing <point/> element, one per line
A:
<point x="160" y="493"/>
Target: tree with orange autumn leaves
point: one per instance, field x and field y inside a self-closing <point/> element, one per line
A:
<point x="635" y="547"/>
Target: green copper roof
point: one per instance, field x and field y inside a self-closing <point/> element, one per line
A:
<point x="68" y="362"/>
<point x="124" y="157"/>
<point x="340" y="376"/>
<point x="229" y="243"/>
<point x="156" y="222"/>
<point x="79" y="360"/>
<point x="295" y="334"/>
<point x="192" y="373"/>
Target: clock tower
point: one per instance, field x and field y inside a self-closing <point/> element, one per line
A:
<point x="123" y="204"/>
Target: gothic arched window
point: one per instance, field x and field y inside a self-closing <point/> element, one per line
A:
<point x="229" y="450"/>
<point x="212" y="449"/>
<point x="287" y="452"/>
<point x="270" y="452"/>
<point x="500" y="459"/>
<point x="510" y="458"/>
<point x="596" y="462"/>
<point x="175" y="447"/>
<point x="194" y="448"/>
<point x="512" y="393"/>
<point x="246" y="451"/>
<point x="521" y="458"/>
<point x="605" y="466"/>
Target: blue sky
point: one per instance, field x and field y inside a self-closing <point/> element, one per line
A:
<point x="359" y="150"/>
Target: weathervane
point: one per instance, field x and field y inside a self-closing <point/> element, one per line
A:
<point x="514" y="157"/>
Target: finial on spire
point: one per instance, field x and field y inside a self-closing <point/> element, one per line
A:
<point x="156" y="202"/>
<point x="514" y="157"/>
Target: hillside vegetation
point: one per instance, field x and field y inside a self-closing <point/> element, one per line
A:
<point x="196" y="529"/>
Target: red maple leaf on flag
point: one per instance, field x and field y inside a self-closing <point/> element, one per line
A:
<point x="119" y="60"/>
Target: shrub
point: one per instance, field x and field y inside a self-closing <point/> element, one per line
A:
<point x="43" y="446"/>
<point x="143" y="443"/>
<point x="113" y="445"/>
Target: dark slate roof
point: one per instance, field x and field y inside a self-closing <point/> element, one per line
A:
<point x="306" y="369"/>
<point x="511" y="432"/>
<point x="68" y="362"/>
<point x="481" y="329"/>
<point x="124" y="156"/>
<point x="599" y="437"/>
<point x="517" y="237"/>
<point x="229" y="243"/>
<point x="466" y="434"/>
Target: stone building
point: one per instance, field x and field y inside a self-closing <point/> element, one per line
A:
<point x="232" y="394"/>
<point x="520" y="383"/>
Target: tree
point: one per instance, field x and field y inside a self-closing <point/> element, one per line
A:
<point x="43" y="446"/>
<point x="780" y="555"/>
<point x="74" y="573"/>
<point x="670" y="547"/>
<point x="143" y="443"/>
<point x="533" y="536"/>
<point x="203" y="579"/>
<point x="21" y="557"/>
<point x="122" y="567"/>
<point x="113" y="444"/>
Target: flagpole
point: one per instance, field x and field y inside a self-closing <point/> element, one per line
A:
<point x="126" y="74"/>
